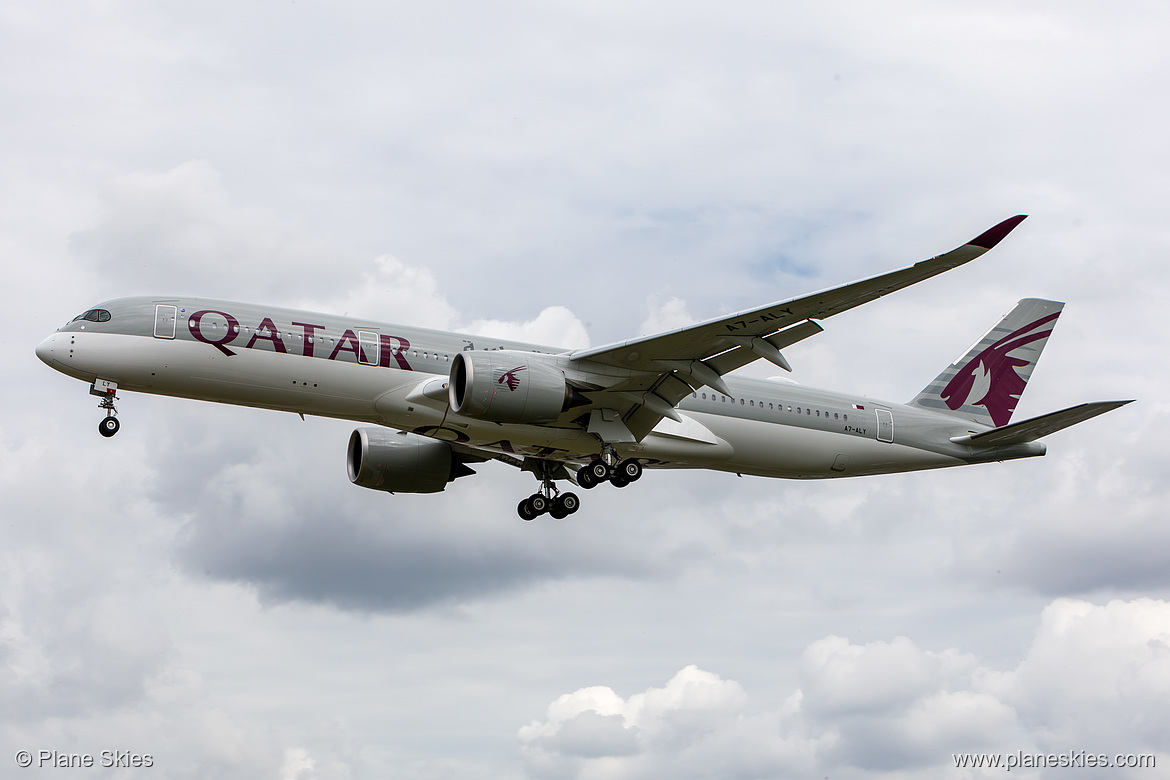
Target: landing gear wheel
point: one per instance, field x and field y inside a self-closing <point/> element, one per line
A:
<point x="109" y="426"/>
<point x="525" y="511"/>
<point x="630" y="470"/>
<point x="568" y="503"/>
<point x="618" y="481"/>
<point x="557" y="513"/>
<point x="538" y="504"/>
<point x="598" y="470"/>
<point x="585" y="478"/>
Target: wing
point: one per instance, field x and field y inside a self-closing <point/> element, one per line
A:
<point x="666" y="367"/>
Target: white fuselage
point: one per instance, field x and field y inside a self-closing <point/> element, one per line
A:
<point x="395" y="376"/>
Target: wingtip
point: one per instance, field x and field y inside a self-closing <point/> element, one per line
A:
<point x="992" y="237"/>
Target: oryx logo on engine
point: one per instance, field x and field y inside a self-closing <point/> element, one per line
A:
<point x="509" y="378"/>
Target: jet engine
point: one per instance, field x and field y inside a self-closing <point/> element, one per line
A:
<point x="509" y="387"/>
<point x="399" y="462"/>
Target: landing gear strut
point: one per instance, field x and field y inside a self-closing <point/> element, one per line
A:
<point x="107" y="392"/>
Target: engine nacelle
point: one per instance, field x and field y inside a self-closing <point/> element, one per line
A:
<point x="383" y="459"/>
<point x="508" y="387"/>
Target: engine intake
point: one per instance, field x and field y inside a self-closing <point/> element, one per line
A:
<point x="399" y="462"/>
<point x="509" y="387"/>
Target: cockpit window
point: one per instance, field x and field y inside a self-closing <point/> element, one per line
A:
<point x="94" y="315"/>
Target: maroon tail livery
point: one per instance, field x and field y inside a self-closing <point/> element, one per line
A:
<point x="985" y="384"/>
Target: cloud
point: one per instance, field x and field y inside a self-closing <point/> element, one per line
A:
<point x="555" y="326"/>
<point x="276" y="513"/>
<point x="1094" y="521"/>
<point x="389" y="290"/>
<point x="1095" y="678"/>
<point x="847" y="679"/>
<point x="665" y="315"/>
<point x="179" y="232"/>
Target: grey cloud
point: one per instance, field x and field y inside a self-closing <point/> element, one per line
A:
<point x="1095" y="525"/>
<point x="274" y="510"/>
<point x="177" y="231"/>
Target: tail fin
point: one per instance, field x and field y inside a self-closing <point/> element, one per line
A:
<point x="984" y="385"/>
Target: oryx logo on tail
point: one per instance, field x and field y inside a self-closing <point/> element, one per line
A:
<point x="990" y="378"/>
<point x="510" y="379"/>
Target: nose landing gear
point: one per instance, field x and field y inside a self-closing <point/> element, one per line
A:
<point x="109" y="426"/>
<point x="107" y="391"/>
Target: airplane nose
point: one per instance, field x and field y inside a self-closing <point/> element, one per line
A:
<point x="45" y="349"/>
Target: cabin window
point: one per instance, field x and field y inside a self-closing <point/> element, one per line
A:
<point x="751" y="403"/>
<point x="808" y="412"/>
<point x="846" y="417"/>
<point x="836" y="416"/>
<point x="704" y="396"/>
<point x="818" y="412"/>
<point x="798" y="410"/>
<point x="741" y="402"/>
<point x="769" y="405"/>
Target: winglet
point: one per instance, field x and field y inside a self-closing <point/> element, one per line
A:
<point x="992" y="237"/>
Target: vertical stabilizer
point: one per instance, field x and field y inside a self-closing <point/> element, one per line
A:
<point x="985" y="384"/>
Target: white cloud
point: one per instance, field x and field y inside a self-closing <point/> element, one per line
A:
<point x="1094" y="673"/>
<point x="666" y="315"/>
<point x="1096" y="678"/>
<point x="846" y="679"/>
<point x="390" y="291"/>
<point x="555" y="326"/>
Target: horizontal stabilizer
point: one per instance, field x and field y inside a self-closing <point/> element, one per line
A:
<point x="1037" y="427"/>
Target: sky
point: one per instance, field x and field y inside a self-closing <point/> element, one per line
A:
<point x="207" y="587"/>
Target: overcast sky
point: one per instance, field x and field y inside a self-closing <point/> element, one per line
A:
<point x="208" y="588"/>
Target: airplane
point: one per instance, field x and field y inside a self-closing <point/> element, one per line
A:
<point x="438" y="401"/>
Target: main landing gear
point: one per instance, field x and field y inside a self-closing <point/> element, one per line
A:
<point x="595" y="472"/>
<point x="609" y="468"/>
<point x="107" y="392"/>
<point x="549" y="498"/>
<point x="559" y="505"/>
